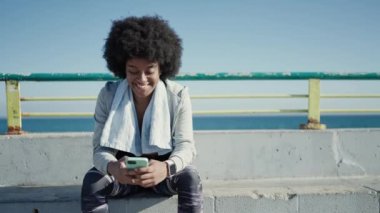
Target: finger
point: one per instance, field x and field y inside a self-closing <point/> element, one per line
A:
<point x="147" y="184"/>
<point x="146" y="176"/>
<point x="143" y="170"/>
<point x="147" y="181"/>
<point x="132" y="172"/>
<point x="137" y="181"/>
<point x="136" y="173"/>
<point x="129" y="177"/>
<point x="133" y="181"/>
<point x="150" y="168"/>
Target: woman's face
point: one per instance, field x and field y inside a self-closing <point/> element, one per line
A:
<point x="142" y="76"/>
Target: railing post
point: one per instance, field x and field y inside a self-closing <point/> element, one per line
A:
<point x="13" y="107"/>
<point x="314" y="115"/>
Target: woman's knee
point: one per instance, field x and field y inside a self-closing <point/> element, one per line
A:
<point x="92" y="176"/>
<point x="189" y="177"/>
<point x="96" y="186"/>
<point x="95" y="181"/>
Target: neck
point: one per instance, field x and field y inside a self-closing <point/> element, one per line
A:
<point x="142" y="101"/>
<point x="140" y="105"/>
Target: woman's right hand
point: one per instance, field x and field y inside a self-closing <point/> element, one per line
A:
<point x="119" y="171"/>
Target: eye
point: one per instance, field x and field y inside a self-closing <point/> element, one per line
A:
<point x="149" y="72"/>
<point x="151" y="69"/>
<point x="132" y="71"/>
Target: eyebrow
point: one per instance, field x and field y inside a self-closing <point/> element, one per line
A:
<point x="130" y="65"/>
<point x="149" y="66"/>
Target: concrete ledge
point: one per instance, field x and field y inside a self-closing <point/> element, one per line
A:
<point x="339" y="195"/>
<point x="243" y="171"/>
<point x="48" y="159"/>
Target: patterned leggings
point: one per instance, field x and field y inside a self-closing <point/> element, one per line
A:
<point x="97" y="187"/>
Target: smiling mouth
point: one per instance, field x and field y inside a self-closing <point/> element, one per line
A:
<point x="141" y="86"/>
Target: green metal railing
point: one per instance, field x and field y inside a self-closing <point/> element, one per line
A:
<point x="14" y="113"/>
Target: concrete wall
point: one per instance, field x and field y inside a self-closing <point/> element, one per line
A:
<point x="64" y="158"/>
<point x="292" y="171"/>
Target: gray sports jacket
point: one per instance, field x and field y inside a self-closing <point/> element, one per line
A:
<point x="183" y="151"/>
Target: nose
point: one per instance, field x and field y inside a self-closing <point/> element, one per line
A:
<point x="142" y="77"/>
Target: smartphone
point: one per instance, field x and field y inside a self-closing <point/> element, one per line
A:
<point x="136" y="162"/>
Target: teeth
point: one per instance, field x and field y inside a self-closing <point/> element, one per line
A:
<point x="141" y="85"/>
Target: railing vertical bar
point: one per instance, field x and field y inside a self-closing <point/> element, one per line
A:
<point x="12" y="88"/>
<point x="314" y="114"/>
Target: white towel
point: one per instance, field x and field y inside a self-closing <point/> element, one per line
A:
<point x="121" y="129"/>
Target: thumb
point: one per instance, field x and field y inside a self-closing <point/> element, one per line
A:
<point x="122" y="161"/>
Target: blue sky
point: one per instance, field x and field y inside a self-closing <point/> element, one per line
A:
<point x="218" y="36"/>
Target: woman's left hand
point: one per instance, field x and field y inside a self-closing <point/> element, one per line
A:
<point x="151" y="175"/>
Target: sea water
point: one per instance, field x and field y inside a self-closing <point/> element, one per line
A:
<point x="230" y="122"/>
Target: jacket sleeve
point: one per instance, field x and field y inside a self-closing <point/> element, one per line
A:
<point x="102" y="155"/>
<point x="183" y="140"/>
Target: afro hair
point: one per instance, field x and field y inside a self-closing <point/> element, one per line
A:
<point x="148" y="37"/>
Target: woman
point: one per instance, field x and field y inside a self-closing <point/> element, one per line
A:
<point x="144" y="114"/>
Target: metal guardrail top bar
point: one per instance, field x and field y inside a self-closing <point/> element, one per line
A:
<point x="197" y="76"/>
<point x="14" y="113"/>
